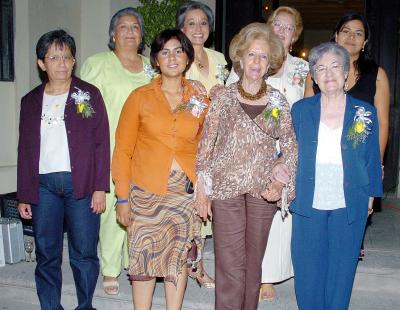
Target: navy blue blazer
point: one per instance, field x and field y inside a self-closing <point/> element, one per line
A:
<point x="88" y="142"/>
<point x="362" y="173"/>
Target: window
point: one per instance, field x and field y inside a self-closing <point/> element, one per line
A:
<point x="6" y="41"/>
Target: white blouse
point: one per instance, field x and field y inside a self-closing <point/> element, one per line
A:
<point x="328" y="192"/>
<point x="54" y="152"/>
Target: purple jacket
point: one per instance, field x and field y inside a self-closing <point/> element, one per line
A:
<point x="88" y="142"/>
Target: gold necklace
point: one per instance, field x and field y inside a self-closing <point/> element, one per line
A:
<point x="199" y="64"/>
<point x="261" y="92"/>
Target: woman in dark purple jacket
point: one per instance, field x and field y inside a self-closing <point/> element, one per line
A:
<point x="63" y="170"/>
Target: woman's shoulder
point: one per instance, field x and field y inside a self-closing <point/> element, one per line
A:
<point x="146" y="60"/>
<point x="79" y="84"/>
<point x="297" y="60"/>
<point x="217" y="57"/>
<point x="361" y="103"/>
<point x="99" y="58"/>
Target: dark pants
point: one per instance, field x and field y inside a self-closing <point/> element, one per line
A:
<point x="57" y="206"/>
<point x="325" y="249"/>
<point x="240" y="228"/>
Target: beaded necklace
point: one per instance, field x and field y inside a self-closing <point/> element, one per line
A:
<point x="261" y="92"/>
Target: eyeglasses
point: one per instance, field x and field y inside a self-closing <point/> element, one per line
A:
<point x="359" y="34"/>
<point x="166" y="53"/>
<point x="57" y="58"/>
<point x="334" y="68"/>
<point x="281" y="26"/>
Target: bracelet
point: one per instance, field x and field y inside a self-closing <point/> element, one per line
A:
<point x="124" y="200"/>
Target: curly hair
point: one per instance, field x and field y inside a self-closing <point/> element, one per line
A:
<point x="257" y="31"/>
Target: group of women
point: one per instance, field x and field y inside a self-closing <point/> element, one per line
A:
<point x="180" y="160"/>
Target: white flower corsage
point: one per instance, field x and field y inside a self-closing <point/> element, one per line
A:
<point x="359" y="131"/>
<point x="82" y="104"/>
<point x="222" y="73"/>
<point x="195" y="106"/>
<point x="149" y="71"/>
<point x="273" y="112"/>
<point x="299" y="73"/>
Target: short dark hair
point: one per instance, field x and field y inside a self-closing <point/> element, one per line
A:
<point x="114" y="21"/>
<point x="59" y="37"/>
<point x="163" y="37"/>
<point x="194" y="5"/>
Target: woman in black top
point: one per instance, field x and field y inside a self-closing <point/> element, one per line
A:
<point x="366" y="80"/>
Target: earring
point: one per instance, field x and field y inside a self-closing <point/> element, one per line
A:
<point x="290" y="48"/>
<point x="113" y="39"/>
<point x="362" y="50"/>
<point x="345" y="86"/>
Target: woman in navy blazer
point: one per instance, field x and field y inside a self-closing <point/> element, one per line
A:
<point x="338" y="174"/>
<point x="63" y="170"/>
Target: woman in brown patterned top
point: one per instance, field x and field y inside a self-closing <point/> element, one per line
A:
<point x="235" y="160"/>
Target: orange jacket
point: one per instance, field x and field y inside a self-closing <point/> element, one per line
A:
<point x="150" y="135"/>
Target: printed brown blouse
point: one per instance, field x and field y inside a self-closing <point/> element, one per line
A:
<point x="236" y="154"/>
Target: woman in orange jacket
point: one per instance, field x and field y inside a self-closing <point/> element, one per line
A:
<point x="154" y="159"/>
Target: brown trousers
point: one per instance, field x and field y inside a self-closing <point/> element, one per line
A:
<point x="240" y="228"/>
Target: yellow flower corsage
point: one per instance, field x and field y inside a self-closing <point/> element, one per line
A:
<point x="360" y="129"/>
<point x="274" y="111"/>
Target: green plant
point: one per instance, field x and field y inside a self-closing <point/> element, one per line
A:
<point x="158" y="15"/>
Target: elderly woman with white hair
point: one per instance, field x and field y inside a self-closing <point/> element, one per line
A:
<point x="338" y="174"/>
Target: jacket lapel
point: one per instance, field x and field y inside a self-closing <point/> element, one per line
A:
<point x="70" y="104"/>
<point x="348" y="116"/>
<point x="315" y="107"/>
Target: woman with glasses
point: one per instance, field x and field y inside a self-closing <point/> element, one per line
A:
<point x="153" y="161"/>
<point x="366" y="80"/>
<point x="338" y="175"/>
<point x="286" y="23"/>
<point x="63" y="170"/>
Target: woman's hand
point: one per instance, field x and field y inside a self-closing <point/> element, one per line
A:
<point x="273" y="192"/>
<point x="202" y="203"/>
<point x="123" y="213"/>
<point x="281" y="173"/>
<point x="370" y="205"/>
<point x="98" y="202"/>
<point x="25" y="210"/>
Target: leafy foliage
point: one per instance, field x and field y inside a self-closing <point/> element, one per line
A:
<point x="158" y="15"/>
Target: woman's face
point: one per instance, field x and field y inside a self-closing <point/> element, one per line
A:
<point x="329" y="74"/>
<point x="58" y="63"/>
<point x="255" y="61"/>
<point x="196" y="27"/>
<point x="352" y="37"/>
<point x="284" y="27"/>
<point x="127" y="33"/>
<point x="172" y="59"/>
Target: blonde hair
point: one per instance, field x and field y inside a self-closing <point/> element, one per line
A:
<point x="257" y="31"/>
<point x="298" y="21"/>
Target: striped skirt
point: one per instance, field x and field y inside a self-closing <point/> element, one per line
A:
<point x="162" y="229"/>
